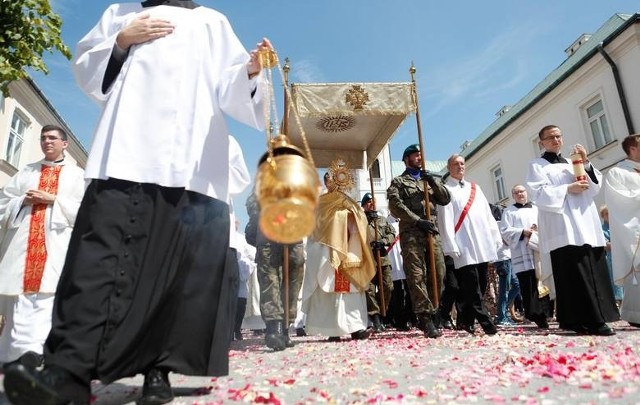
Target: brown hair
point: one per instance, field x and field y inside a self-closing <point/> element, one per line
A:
<point x="61" y="132"/>
<point x="546" y="128"/>
<point x="629" y="141"/>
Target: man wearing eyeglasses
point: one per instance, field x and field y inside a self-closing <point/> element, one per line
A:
<point x="37" y="212"/>
<point x="570" y="231"/>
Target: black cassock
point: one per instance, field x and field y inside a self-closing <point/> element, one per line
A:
<point x="584" y="290"/>
<point x="149" y="280"/>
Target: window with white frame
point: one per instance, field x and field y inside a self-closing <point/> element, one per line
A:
<point x="597" y="120"/>
<point x="375" y="169"/>
<point x="16" y="138"/>
<point x="498" y="181"/>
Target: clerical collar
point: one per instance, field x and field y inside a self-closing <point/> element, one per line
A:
<point x="52" y="163"/>
<point x="174" y="3"/>
<point x="525" y="205"/>
<point x="553" y="157"/>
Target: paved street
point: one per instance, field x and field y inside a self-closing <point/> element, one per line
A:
<point x="519" y="365"/>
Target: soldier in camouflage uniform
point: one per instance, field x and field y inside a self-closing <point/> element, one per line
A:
<point x="406" y="202"/>
<point x="269" y="260"/>
<point x="386" y="236"/>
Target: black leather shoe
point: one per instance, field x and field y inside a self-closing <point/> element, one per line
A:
<point x="542" y="323"/>
<point x="466" y="328"/>
<point x="442" y="320"/>
<point x="237" y="336"/>
<point x="404" y="327"/>
<point x="446" y="323"/>
<point x="51" y="386"/>
<point x="156" y="389"/>
<point x="490" y="329"/>
<point x="333" y="339"/>
<point x="600" y="330"/>
<point x="431" y="331"/>
<point x="300" y="332"/>
<point x="635" y="325"/>
<point x="31" y="360"/>
<point x="361" y="334"/>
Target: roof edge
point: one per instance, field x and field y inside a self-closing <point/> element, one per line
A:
<point x="633" y="19"/>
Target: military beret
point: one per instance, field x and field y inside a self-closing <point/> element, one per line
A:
<point x="410" y="149"/>
<point x="365" y="199"/>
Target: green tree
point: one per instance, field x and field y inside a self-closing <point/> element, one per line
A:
<point x="28" y="29"/>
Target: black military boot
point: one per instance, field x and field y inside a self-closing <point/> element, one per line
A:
<point x="377" y="323"/>
<point x="274" y="338"/>
<point x="285" y="335"/>
<point x="425" y="324"/>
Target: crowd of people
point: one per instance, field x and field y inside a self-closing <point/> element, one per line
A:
<point x="548" y="251"/>
<point x="116" y="276"/>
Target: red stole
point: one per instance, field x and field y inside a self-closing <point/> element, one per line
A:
<point x="36" y="245"/>
<point x="342" y="283"/>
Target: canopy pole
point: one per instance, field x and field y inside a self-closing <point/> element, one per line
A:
<point x="383" y="306"/>
<point x="285" y="250"/>
<point x="427" y="206"/>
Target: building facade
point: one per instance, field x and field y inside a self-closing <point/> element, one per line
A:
<point x="22" y="116"/>
<point x="593" y="96"/>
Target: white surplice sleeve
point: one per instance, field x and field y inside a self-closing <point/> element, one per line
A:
<point x="70" y="192"/>
<point x="94" y="50"/>
<point x="548" y="195"/>
<point x="239" y="177"/>
<point x="446" y="228"/>
<point x="508" y="229"/>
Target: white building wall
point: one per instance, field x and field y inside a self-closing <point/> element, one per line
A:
<point x="37" y="112"/>
<point x="380" y="184"/>
<point x="516" y="145"/>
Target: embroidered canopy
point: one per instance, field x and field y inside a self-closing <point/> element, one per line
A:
<point x="349" y="120"/>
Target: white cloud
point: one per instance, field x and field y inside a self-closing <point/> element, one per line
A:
<point x="306" y="71"/>
<point x="64" y="7"/>
<point x="499" y="66"/>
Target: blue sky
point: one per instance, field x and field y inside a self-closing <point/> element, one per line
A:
<point x="472" y="57"/>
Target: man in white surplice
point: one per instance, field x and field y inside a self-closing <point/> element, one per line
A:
<point x="518" y="226"/>
<point x="339" y="269"/>
<point x="38" y="209"/>
<point x="570" y="231"/>
<point x="622" y="195"/>
<point x="149" y="256"/>
<point x="470" y="236"/>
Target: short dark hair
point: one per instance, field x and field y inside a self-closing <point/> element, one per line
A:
<point x="629" y="141"/>
<point x="61" y="132"/>
<point x="545" y="129"/>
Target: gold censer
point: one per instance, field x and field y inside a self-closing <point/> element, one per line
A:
<point x="287" y="184"/>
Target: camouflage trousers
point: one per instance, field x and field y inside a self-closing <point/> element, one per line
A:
<point x="416" y="267"/>
<point x="269" y="260"/>
<point x="373" y="296"/>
